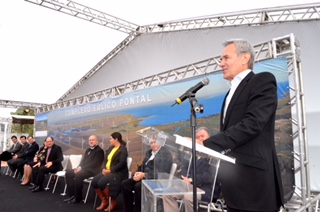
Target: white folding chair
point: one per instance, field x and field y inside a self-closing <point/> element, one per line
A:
<point x="62" y="173"/>
<point x="88" y="180"/>
<point x="64" y="167"/>
<point x="75" y="161"/>
<point x="129" y="162"/>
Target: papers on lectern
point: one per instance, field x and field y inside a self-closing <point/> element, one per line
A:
<point x="199" y="148"/>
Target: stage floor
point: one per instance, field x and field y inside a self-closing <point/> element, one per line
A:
<point x="14" y="197"/>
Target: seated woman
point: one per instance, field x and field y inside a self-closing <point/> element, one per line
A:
<point x="108" y="183"/>
<point x="38" y="158"/>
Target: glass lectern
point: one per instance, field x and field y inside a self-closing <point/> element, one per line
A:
<point x="170" y="182"/>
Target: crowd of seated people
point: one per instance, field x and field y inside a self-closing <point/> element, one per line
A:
<point x="109" y="170"/>
<point x="26" y="155"/>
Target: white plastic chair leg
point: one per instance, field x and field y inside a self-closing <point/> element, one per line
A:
<point x="64" y="190"/>
<point x="47" y="187"/>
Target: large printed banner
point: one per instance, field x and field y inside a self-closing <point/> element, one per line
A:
<point x="128" y="113"/>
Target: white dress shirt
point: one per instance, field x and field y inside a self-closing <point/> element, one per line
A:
<point x="233" y="86"/>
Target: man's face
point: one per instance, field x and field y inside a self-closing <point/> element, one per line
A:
<point x="231" y="63"/>
<point x="49" y="142"/>
<point x="14" y="140"/>
<point x="30" y="140"/>
<point x="201" y="135"/>
<point x="93" y="141"/>
<point x="154" y="146"/>
<point x="23" y="140"/>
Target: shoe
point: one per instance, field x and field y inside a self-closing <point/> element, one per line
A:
<point x="24" y="184"/>
<point x="113" y="205"/>
<point x="36" y="189"/>
<point x="74" y="201"/>
<point x="32" y="187"/>
<point x="68" y="199"/>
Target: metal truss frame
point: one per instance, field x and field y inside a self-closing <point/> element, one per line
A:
<point x="250" y="18"/>
<point x="20" y="104"/>
<point x="88" y="14"/>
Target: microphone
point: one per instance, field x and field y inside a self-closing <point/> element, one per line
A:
<point x="193" y="90"/>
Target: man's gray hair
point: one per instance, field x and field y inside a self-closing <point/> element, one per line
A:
<point x="205" y="129"/>
<point x="242" y="46"/>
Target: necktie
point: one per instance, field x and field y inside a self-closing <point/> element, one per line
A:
<point x="48" y="153"/>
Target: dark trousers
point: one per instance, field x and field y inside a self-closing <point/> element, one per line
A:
<point x="39" y="173"/>
<point x="5" y="156"/>
<point x="75" y="182"/>
<point x="128" y="186"/>
<point x="100" y="181"/>
<point x="13" y="163"/>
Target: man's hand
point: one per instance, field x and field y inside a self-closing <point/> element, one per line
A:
<point x="37" y="165"/>
<point x="77" y="170"/>
<point x="138" y="176"/>
<point x="48" y="165"/>
<point x="15" y="157"/>
<point x="187" y="180"/>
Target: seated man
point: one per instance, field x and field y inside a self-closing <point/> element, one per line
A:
<point x="12" y="163"/>
<point x="157" y="159"/>
<point x="26" y="156"/>
<point x="204" y="178"/>
<point x="8" y="154"/>
<point x="89" y="166"/>
<point x="52" y="164"/>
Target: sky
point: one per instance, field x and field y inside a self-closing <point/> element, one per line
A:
<point x="43" y="53"/>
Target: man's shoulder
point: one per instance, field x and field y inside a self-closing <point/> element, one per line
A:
<point x="164" y="151"/>
<point x="55" y="146"/>
<point x="264" y="75"/>
<point x="96" y="149"/>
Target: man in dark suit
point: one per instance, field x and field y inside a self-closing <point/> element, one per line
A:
<point x="204" y="178"/>
<point x="12" y="163"/>
<point x="8" y="154"/>
<point x="89" y="166"/>
<point x="25" y="156"/>
<point x="247" y="134"/>
<point x="52" y="164"/>
<point x="157" y="159"/>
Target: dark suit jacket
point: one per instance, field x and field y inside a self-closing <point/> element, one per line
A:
<point x="23" y="149"/>
<point x="15" y="149"/>
<point x="119" y="168"/>
<point x="204" y="176"/>
<point x="56" y="157"/>
<point x="28" y="155"/>
<point x="162" y="162"/>
<point x="92" y="160"/>
<point x="254" y="182"/>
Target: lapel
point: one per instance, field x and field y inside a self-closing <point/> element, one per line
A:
<point x="235" y="97"/>
<point x="222" y="110"/>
